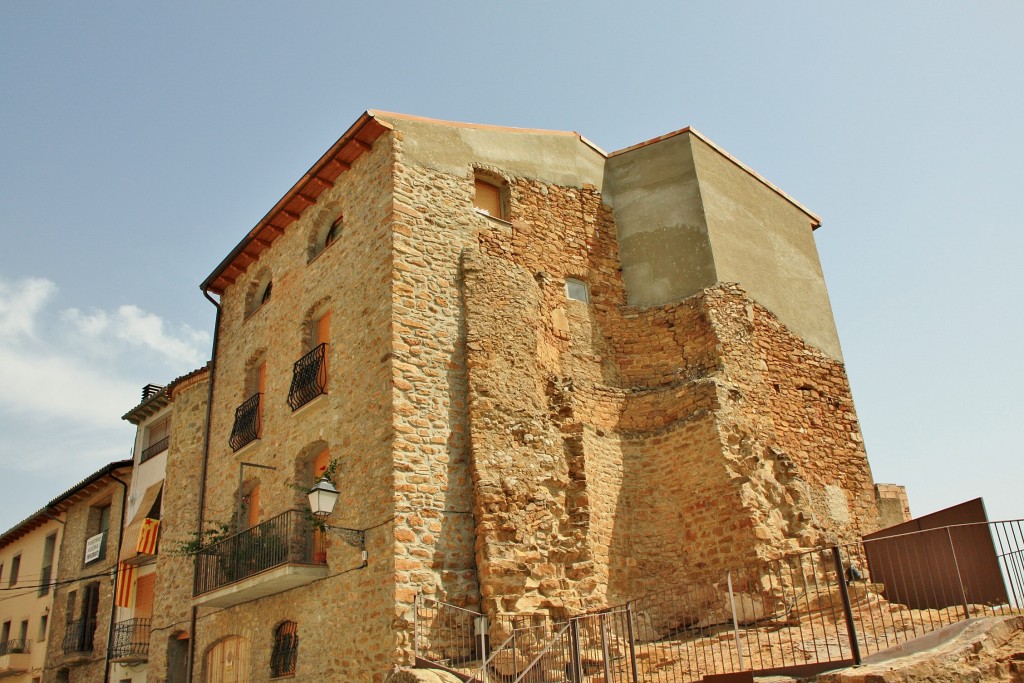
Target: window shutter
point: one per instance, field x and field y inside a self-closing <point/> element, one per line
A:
<point x="144" y="596"/>
<point x="488" y="198"/>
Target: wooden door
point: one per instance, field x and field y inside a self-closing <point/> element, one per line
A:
<point x="228" y="661"/>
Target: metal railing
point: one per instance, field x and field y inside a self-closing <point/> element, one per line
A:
<point x="248" y="421"/>
<point x="130" y="639"/>
<point x="447" y="636"/>
<point x="13" y="647"/>
<point x="285" y="539"/>
<point x="155" y="449"/>
<point x="309" y="377"/>
<point x="78" y="636"/>
<point x="800" y="614"/>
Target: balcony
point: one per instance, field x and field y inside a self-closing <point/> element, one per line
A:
<point x="269" y="558"/>
<point x="309" y="377"/>
<point x="130" y="642"/>
<point x="78" y="637"/>
<point x="14" y="658"/>
<point x="155" y="449"/>
<point x="248" y="422"/>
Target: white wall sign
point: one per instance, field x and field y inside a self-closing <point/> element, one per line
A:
<point x="93" y="547"/>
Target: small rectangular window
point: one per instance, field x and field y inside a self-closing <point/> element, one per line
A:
<point x="577" y="290"/>
<point x="15" y="569"/>
<point x="43" y="621"/>
<point x="488" y="199"/>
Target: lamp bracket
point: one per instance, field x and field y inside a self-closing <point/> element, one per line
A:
<point x="354" y="537"/>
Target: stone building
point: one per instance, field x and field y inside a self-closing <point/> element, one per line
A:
<point x="152" y="605"/>
<point x="545" y="378"/>
<point x="80" y="621"/>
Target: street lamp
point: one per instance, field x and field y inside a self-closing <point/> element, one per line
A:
<point x="322" y="498"/>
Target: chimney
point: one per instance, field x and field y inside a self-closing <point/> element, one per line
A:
<point x="149" y="391"/>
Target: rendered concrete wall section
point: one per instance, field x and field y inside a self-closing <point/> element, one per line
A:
<point x="663" y="237"/>
<point x="552" y="157"/>
<point x="765" y="243"/>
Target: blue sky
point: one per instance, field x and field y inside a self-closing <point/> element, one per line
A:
<point x="140" y="141"/>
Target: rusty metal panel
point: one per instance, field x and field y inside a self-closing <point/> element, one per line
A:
<point x="940" y="560"/>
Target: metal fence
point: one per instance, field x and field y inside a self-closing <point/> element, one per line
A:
<point x="78" y="636"/>
<point x="130" y="639"/>
<point x="13" y="647"/>
<point x="285" y="539"/>
<point x="799" y="614"/>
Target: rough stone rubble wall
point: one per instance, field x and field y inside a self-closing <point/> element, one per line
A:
<point x="618" y="450"/>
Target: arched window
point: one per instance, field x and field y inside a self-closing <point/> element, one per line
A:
<point x="286" y="649"/>
<point x="577" y="290"/>
<point x="333" y="233"/>
<point x="259" y="292"/>
<point x="325" y="235"/>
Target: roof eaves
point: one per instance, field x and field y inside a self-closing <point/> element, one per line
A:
<point x="25" y="526"/>
<point x="321" y="175"/>
<point x="85" y="483"/>
<point x="163" y="397"/>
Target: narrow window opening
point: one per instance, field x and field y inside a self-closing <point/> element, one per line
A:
<point x="490" y="197"/>
<point x="333" y="233"/>
<point x="286" y="650"/>
<point x="15" y="569"/>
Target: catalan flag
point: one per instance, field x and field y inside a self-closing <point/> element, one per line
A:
<point x="125" y="594"/>
<point x="148" y="536"/>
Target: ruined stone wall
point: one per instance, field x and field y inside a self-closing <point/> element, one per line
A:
<point x="619" y="451"/>
<point x="73" y="574"/>
<point x="353" y="637"/>
<point x="893" y="505"/>
<point x="791" y="427"/>
<point x="179" y="510"/>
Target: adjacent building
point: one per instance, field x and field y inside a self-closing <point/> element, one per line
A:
<point x="29" y="553"/>
<point x="80" y="622"/>
<point x="152" y="606"/>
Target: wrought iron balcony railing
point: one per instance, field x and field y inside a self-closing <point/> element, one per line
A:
<point x="309" y="377"/>
<point x="285" y="539"/>
<point x="131" y="639"/>
<point x="13" y="647"/>
<point x="78" y="636"/>
<point x="155" y="449"/>
<point x="248" y="421"/>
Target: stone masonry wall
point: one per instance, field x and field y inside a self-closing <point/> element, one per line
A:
<point x="614" y="449"/>
<point x="73" y="575"/>
<point x="353" y="637"/>
<point x="179" y="509"/>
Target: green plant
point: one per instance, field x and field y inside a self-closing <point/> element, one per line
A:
<point x="216" y="533"/>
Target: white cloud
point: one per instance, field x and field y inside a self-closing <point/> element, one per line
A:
<point x="20" y="303"/>
<point x="81" y="367"/>
<point x="136" y="327"/>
